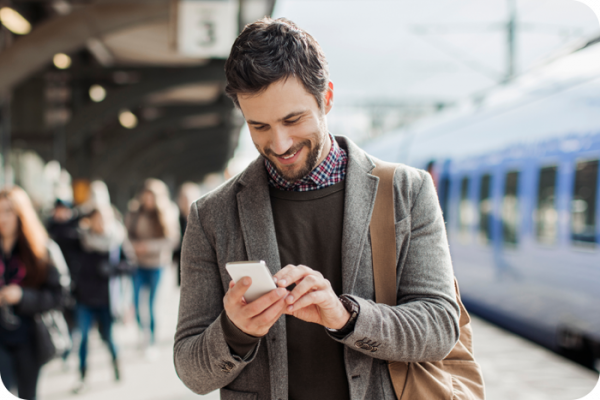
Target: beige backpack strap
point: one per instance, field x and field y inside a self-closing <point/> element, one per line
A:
<point x="383" y="234"/>
<point x="415" y="380"/>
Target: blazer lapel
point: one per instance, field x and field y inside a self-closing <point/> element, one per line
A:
<point x="258" y="230"/>
<point x="256" y="216"/>
<point x="361" y="188"/>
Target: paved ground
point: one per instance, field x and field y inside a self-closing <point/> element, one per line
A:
<point x="143" y="378"/>
<point x="513" y="368"/>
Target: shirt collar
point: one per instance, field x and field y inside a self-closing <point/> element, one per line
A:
<point x="319" y="177"/>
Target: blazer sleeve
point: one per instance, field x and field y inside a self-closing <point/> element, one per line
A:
<point x="203" y="360"/>
<point x="424" y="325"/>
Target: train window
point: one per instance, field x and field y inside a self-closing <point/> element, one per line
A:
<point x="510" y="209"/>
<point x="464" y="210"/>
<point x="583" y="205"/>
<point x="444" y="196"/>
<point x="485" y="209"/>
<point x="546" y="216"/>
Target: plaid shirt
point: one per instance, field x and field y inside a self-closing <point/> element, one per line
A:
<point x="331" y="171"/>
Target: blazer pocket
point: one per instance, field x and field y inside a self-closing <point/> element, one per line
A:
<point x="402" y="240"/>
<point x="227" y="394"/>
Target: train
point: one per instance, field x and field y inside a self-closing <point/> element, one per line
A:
<point x="516" y="172"/>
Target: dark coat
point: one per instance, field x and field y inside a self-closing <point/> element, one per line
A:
<point x="50" y="295"/>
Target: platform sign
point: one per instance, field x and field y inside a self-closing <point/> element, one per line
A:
<point x="206" y="28"/>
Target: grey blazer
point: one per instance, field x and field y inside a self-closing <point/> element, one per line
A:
<point x="235" y="223"/>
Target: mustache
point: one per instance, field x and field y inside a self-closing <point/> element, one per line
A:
<point x="291" y="150"/>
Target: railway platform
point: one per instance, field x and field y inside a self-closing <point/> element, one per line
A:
<point x="513" y="368"/>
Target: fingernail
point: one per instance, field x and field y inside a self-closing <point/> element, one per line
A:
<point x="246" y="281"/>
<point x="274" y="279"/>
<point x="281" y="291"/>
<point x="290" y="308"/>
<point x="282" y="282"/>
<point x="290" y="299"/>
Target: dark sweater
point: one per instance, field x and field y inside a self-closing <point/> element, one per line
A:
<point x="91" y="285"/>
<point x="308" y="226"/>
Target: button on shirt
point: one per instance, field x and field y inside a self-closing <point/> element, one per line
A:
<point x="332" y="170"/>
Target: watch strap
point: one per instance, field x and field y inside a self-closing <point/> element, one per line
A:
<point x="354" y="309"/>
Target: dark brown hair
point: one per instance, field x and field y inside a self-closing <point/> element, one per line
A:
<point x="32" y="237"/>
<point x="269" y="50"/>
<point x="163" y="215"/>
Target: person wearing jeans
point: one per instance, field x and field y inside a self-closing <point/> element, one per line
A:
<point x="154" y="232"/>
<point x="102" y="240"/>
<point x="149" y="278"/>
<point x="85" y="318"/>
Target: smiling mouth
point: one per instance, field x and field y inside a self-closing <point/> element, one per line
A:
<point x="290" y="156"/>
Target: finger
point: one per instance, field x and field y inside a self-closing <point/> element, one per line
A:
<point x="272" y="314"/>
<point x="308" y="299"/>
<point x="293" y="275"/>
<point x="310" y="283"/>
<point x="281" y="274"/>
<point x="231" y="284"/>
<point x="237" y="291"/>
<point x="259" y="305"/>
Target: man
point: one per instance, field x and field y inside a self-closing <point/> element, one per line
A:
<point x="63" y="228"/>
<point x="305" y="205"/>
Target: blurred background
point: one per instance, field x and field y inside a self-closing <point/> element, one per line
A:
<point x="498" y="100"/>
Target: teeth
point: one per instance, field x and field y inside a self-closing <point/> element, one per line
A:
<point x="288" y="157"/>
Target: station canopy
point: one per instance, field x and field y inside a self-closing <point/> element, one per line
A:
<point x="123" y="90"/>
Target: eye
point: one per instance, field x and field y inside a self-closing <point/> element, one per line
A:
<point x="292" y="121"/>
<point x="260" y="127"/>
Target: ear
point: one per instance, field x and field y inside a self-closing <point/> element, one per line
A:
<point x="329" y="98"/>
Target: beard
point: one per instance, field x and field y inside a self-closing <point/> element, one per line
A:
<point x="314" y="153"/>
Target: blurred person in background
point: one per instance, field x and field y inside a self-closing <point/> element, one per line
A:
<point x="63" y="229"/>
<point x="33" y="277"/>
<point x="154" y="232"/>
<point x="102" y="241"/>
<point x="99" y="196"/>
<point x="188" y="193"/>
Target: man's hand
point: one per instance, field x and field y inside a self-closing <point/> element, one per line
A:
<point x="254" y="318"/>
<point x="313" y="299"/>
<point x="11" y="294"/>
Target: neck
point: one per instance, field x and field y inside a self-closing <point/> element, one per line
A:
<point x="8" y="243"/>
<point x="326" y="149"/>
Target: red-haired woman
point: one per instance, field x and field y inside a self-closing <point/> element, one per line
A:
<point x="153" y="228"/>
<point x="29" y="284"/>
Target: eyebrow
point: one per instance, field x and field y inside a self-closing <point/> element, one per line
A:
<point x="290" y="115"/>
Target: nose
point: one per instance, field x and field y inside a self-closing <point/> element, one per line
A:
<point x="281" y="142"/>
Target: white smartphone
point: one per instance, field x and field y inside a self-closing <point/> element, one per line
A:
<point x="262" y="280"/>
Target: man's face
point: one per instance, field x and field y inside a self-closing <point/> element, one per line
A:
<point x="288" y="127"/>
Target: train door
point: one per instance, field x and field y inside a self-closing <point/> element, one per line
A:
<point x="584" y="203"/>
<point x="485" y="207"/>
<point x="546" y="212"/>
<point x="510" y="214"/>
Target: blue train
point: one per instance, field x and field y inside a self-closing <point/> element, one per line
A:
<point x="517" y="178"/>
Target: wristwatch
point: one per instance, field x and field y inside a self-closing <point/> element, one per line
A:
<point x="354" y="309"/>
